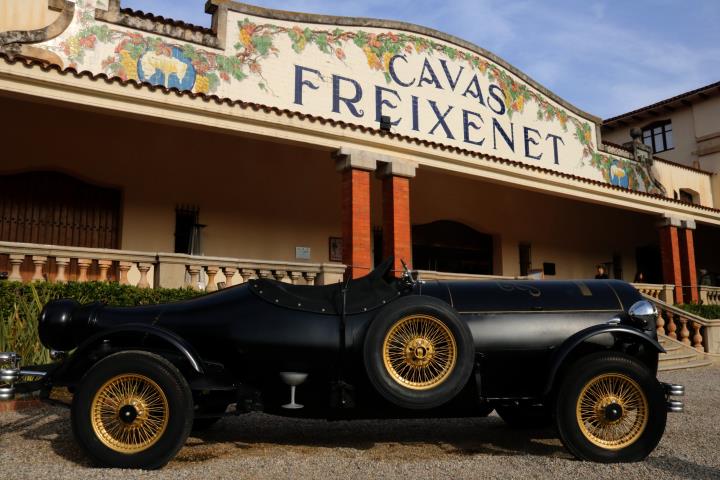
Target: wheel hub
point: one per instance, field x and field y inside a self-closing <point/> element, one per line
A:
<point x="613" y="412"/>
<point x="419" y="352"/>
<point x="128" y="414"/>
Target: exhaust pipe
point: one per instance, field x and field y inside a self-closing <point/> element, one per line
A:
<point x="674" y="390"/>
<point x="11" y="372"/>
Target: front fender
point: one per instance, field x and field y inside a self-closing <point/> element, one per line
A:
<point x="578" y="338"/>
<point x="143" y="331"/>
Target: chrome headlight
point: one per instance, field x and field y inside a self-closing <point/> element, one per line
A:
<point x="643" y="313"/>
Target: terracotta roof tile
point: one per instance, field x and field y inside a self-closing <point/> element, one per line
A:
<point x="165" y="21"/>
<point x="32" y="63"/>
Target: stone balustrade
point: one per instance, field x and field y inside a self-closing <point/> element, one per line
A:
<point x="709" y="295"/>
<point x="665" y="293"/>
<point x="28" y="262"/>
<point x="35" y="262"/>
<point x="701" y="333"/>
<point x="211" y="273"/>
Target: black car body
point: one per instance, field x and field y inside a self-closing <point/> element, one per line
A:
<point x="372" y="347"/>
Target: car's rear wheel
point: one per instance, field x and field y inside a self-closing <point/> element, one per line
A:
<point x="132" y="410"/>
<point x="418" y="353"/>
<point x="610" y="408"/>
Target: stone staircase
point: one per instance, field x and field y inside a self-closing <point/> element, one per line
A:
<point x="680" y="356"/>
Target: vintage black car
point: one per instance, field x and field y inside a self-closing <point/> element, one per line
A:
<point x="579" y="355"/>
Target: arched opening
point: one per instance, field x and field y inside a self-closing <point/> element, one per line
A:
<point x="448" y="246"/>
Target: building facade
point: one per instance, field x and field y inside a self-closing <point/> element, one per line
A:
<point x="307" y="147"/>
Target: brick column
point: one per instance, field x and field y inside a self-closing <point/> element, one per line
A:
<point x="355" y="167"/>
<point x="397" y="238"/>
<point x="687" y="261"/>
<point x="670" y="255"/>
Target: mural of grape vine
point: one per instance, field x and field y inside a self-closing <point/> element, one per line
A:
<point x="184" y="66"/>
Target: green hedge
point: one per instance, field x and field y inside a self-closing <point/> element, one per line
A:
<point x="705" y="311"/>
<point x="20" y="305"/>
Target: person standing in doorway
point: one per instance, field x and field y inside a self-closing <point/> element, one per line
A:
<point x="601" y="273"/>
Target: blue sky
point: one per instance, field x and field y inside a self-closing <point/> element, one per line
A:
<point x="606" y="57"/>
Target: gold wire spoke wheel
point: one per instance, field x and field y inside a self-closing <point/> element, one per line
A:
<point x="612" y="411"/>
<point x="129" y="413"/>
<point x="419" y="352"/>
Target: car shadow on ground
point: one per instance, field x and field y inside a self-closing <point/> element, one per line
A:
<point x="50" y="424"/>
<point x="386" y="438"/>
<point x="679" y="467"/>
<point x="259" y="434"/>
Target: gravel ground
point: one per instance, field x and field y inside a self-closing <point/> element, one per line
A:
<point x="37" y="444"/>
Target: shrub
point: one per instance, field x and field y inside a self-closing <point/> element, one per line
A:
<point x="21" y="304"/>
<point x="705" y="311"/>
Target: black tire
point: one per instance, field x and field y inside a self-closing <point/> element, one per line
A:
<point x="525" y="416"/>
<point x="641" y="388"/>
<point x="170" y="402"/>
<point x="455" y="375"/>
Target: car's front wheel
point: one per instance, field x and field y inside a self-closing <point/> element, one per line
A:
<point x="132" y="410"/>
<point x="610" y="408"/>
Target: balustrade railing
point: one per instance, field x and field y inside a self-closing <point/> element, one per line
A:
<point x="28" y="262"/>
<point x="211" y="273"/>
<point x="701" y="333"/>
<point x="665" y="293"/>
<point x="35" y="262"/>
<point x="709" y="295"/>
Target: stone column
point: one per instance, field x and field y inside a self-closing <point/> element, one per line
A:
<point x="212" y="271"/>
<point x="124" y="268"/>
<point x="397" y="235"/>
<point x="83" y="266"/>
<point x="247" y="274"/>
<point x="281" y="276"/>
<point x="295" y="277"/>
<point x="104" y="266"/>
<point x="670" y="255"/>
<point x="39" y="262"/>
<point x="687" y="261"/>
<point x="355" y="167"/>
<point x="229" y="274"/>
<point x="194" y="271"/>
<point x="144" y="269"/>
<point x="62" y="264"/>
<point x="15" y="262"/>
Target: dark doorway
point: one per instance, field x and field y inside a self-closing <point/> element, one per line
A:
<point x="447" y="246"/>
<point x="648" y="262"/>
